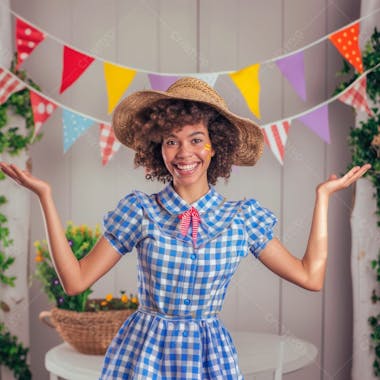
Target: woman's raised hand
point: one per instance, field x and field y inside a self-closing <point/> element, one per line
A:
<point x="334" y="183"/>
<point x="24" y="178"/>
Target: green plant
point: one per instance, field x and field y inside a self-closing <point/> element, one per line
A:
<point x="365" y="147"/>
<point x="12" y="141"/>
<point x="364" y="143"/>
<point x="374" y="321"/>
<point x="13" y="354"/>
<point x="81" y="239"/>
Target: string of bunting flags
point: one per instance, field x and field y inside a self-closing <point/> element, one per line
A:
<point x="118" y="78"/>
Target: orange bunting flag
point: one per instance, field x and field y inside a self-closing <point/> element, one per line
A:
<point x="74" y="64"/>
<point x="118" y="80"/>
<point x="347" y="43"/>
<point x="108" y="143"/>
<point x="9" y="84"/>
<point x="27" y="39"/>
<point x="42" y="109"/>
<point x="275" y="136"/>
<point x="247" y="81"/>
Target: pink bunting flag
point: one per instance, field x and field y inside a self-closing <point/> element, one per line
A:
<point x="42" y="109"/>
<point x="318" y="121"/>
<point x="275" y="136"/>
<point x="74" y="64"/>
<point x="9" y="84"/>
<point x="161" y="82"/>
<point x="356" y="96"/>
<point x="27" y="39"/>
<point x="109" y="145"/>
<point x="293" y="69"/>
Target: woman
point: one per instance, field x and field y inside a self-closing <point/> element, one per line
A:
<point x="189" y="239"/>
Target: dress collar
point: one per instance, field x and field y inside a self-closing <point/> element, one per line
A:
<point x="169" y="199"/>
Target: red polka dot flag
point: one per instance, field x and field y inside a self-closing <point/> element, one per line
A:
<point x="347" y="43"/>
<point x="42" y="109"/>
<point x="27" y="39"/>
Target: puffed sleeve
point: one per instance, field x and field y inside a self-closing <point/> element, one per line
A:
<point x="259" y="223"/>
<point x="122" y="226"/>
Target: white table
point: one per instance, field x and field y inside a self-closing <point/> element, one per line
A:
<point x="257" y="353"/>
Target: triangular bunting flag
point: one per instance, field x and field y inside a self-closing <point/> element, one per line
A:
<point x="118" y="80"/>
<point x="161" y="82"/>
<point x="74" y="64"/>
<point x="347" y="43"/>
<point x="318" y="122"/>
<point x="74" y="125"/>
<point x="9" y="84"/>
<point x="275" y="136"/>
<point x="247" y="81"/>
<point x="209" y="78"/>
<point x="42" y="109"/>
<point x="108" y="143"/>
<point x="293" y="69"/>
<point x="356" y="96"/>
<point x="27" y="39"/>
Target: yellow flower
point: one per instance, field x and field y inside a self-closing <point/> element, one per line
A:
<point x="37" y="244"/>
<point x="38" y="259"/>
<point x="134" y="300"/>
<point x="97" y="230"/>
<point x="74" y="230"/>
<point x="124" y="298"/>
<point x="103" y="303"/>
<point x="109" y="297"/>
<point x="83" y="228"/>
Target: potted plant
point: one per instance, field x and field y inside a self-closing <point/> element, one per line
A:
<point x="86" y="324"/>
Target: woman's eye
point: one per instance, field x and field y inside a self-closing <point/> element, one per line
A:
<point x="197" y="141"/>
<point x="170" y="142"/>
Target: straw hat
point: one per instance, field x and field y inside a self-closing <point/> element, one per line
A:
<point x="251" y="140"/>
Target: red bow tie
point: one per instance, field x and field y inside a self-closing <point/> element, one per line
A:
<point x="191" y="215"/>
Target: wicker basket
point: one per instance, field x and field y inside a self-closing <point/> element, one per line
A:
<point x="88" y="332"/>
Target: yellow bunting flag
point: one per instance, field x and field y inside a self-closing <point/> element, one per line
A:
<point x="118" y="80"/>
<point x="247" y="81"/>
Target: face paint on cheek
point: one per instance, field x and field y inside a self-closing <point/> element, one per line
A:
<point x="207" y="148"/>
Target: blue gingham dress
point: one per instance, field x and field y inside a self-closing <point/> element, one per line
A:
<point x="176" y="332"/>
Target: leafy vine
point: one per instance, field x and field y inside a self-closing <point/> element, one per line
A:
<point x="13" y="140"/>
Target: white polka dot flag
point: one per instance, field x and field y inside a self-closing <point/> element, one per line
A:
<point x="347" y="43"/>
<point x="9" y="84"/>
<point x="109" y="145"/>
<point x="74" y="126"/>
<point x="27" y="39"/>
<point x="275" y="136"/>
<point x="42" y="109"/>
<point x="356" y="96"/>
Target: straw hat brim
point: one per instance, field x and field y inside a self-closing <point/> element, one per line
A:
<point x="251" y="139"/>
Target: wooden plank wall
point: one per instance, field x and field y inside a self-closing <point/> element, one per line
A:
<point x="189" y="36"/>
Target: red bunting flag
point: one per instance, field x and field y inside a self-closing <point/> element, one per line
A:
<point x="27" y="39"/>
<point x="275" y="136"/>
<point x="347" y="43"/>
<point x="356" y="96"/>
<point x="108" y="143"/>
<point x="9" y="84"/>
<point x="42" y="109"/>
<point x="74" y="64"/>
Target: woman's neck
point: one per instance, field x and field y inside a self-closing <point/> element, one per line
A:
<point x="191" y="194"/>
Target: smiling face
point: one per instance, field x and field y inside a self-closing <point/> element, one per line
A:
<point x="187" y="154"/>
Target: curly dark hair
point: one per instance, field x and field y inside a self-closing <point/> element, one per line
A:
<point x="156" y="122"/>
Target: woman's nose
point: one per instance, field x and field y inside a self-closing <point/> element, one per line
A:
<point x="184" y="151"/>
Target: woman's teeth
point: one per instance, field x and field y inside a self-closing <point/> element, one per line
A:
<point x="186" y="167"/>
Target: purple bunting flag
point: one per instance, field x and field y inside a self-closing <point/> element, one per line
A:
<point x="161" y="82"/>
<point x="318" y="121"/>
<point x="293" y="69"/>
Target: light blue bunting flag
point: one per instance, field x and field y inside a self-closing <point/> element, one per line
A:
<point x="74" y="125"/>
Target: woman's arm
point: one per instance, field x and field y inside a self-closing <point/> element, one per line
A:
<point x="309" y="272"/>
<point x="75" y="276"/>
